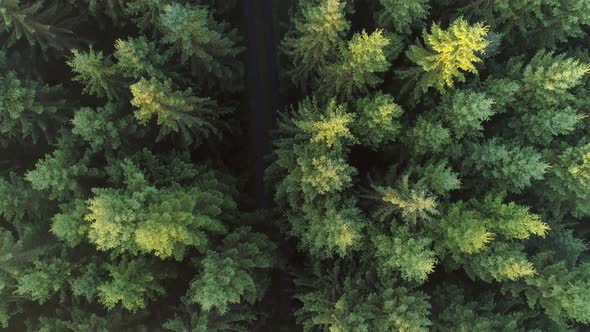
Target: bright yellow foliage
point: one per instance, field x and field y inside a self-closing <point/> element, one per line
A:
<point x="448" y="52"/>
<point x="330" y="130"/>
<point x="582" y="171"/>
<point x="515" y="270"/>
<point x="346" y="236"/>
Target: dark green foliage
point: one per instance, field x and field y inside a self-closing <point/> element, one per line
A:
<point x="475" y="194"/>
<point x="105" y="215"/>
<point x="319" y="34"/>
<point x="358" y="65"/>
<point x="438" y="178"/>
<point x="428" y="136"/>
<point x="465" y="112"/>
<point x="229" y="276"/>
<point x="33" y="21"/>
<point x="130" y="283"/>
<point x="566" y="189"/>
<point x="19" y="201"/>
<point x="57" y="172"/>
<point x="462" y="311"/>
<point x="402" y="14"/>
<point x="17" y="259"/>
<point x="176" y="111"/>
<point x="541" y="103"/>
<point x="43" y="280"/>
<point x="29" y="110"/>
<point x="192" y="32"/>
<point x="83" y="320"/>
<point x="546" y="22"/>
<point x="430" y="168"/>
<point x="189" y="319"/>
<point x="378" y="121"/>
<point x="562" y="292"/>
<point x="412" y="256"/>
<point x="510" y="167"/>
<point x="104" y="127"/>
<point x="336" y="302"/>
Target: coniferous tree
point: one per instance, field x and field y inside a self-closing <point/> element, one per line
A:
<point x="125" y="178"/>
<point x="319" y="33"/>
<point x="402" y="14"/>
<point x="544" y="22"/>
<point x="472" y="189"/>
<point x="357" y="68"/>
<point x="447" y="54"/>
<point x="35" y="21"/>
<point x="128" y="220"/>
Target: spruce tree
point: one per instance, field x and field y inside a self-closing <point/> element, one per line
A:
<point x="112" y="215"/>
<point x="320" y="32"/>
<point x="467" y="198"/>
<point x="448" y="53"/>
<point x="444" y="190"/>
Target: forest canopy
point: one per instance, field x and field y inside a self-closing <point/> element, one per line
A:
<point x="301" y="165"/>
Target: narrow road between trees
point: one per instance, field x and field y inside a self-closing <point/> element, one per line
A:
<point x="262" y="84"/>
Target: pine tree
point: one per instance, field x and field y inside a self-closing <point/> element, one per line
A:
<point x="412" y="203"/>
<point x="465" y="111"/>
<point x="145" y="219"/>
<point x="428" y="136"/>
<point x="462" y="310"/>
<point x="543" y="22"/>
<point x="132" y="283"/>
<point x="402" y="14"/>
<point x="97" y="72"/>
<point x="543" y="105"/>
<point x="17" y="256"/>
<point x="103" y="127"/>
<point x="192" y="32"/>
<point x="358" y="66"/>
<point x="566" y="189"/>
<point x="28" y="109"/>
<point x="77" y="319"/>
<point x="562" y="292"/>
<point x="188" y="318"/>
<point x="228" y="275"/>
<point x="43" y="280"/>
<point x="473" y="237"/>
<point x="447" y="54"/>
<point x="94" y="226"/>
<point x="339" y="300"/>
<point x="315" y="168"/>
<point x="35" y="22"/>
<point x="66" y="225"/>
<point x="378" y="120"/>
<point x="177" y="111"/>
<point x="126" y="187"/>
<point x="60" y="171"/>
<point x="510" y="167"/>
<point x="406" y="253"/>
<point x="437" y="177"/>
<point x="139" y="57"/>
<point x="319" y="34"/>
<point x="19" y="201"/>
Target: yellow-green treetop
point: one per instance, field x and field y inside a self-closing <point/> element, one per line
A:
<point x="448" y="53"/>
